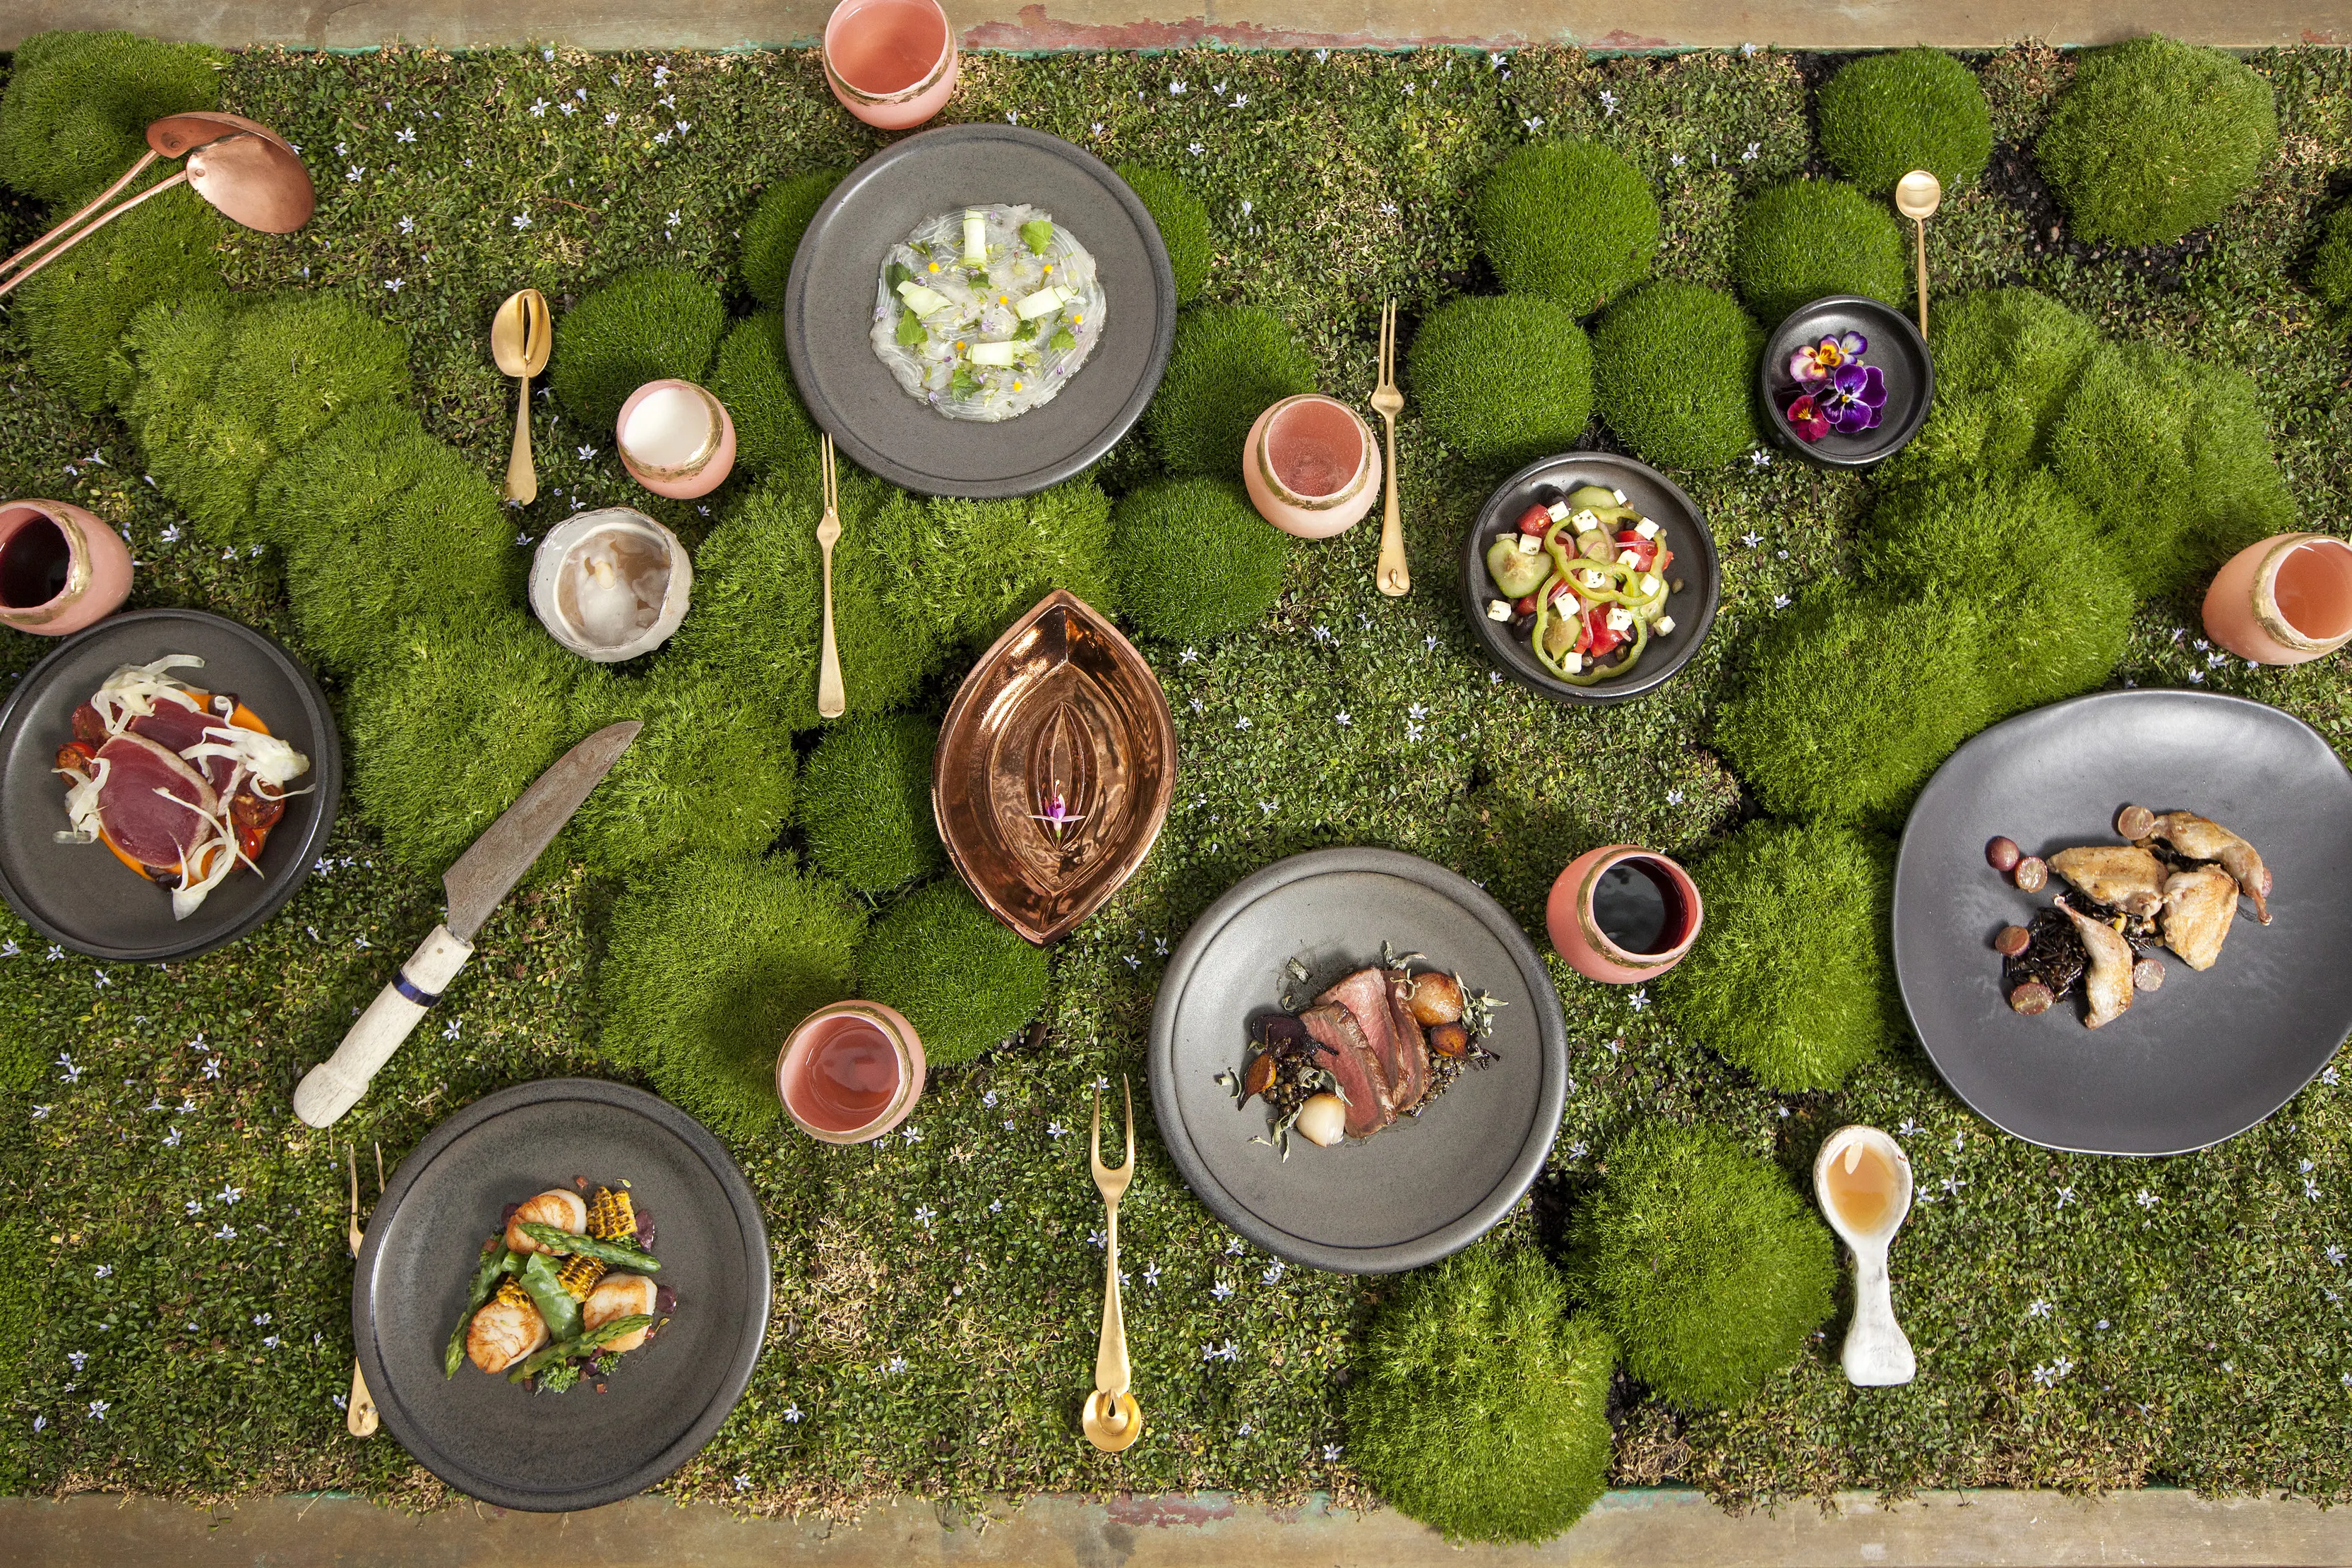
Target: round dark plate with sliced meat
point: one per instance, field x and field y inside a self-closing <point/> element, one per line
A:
<point x="1421" y="1187"/>
<point x="553" y="1452"/>
<point x="2214" y="1051"/>
<point x="79" y="896"/>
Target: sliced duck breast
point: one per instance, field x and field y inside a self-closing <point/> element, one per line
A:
<point x="153" y="805"/>
<point x="1363" y="1083"/>
<point x="1408" y="1074"/>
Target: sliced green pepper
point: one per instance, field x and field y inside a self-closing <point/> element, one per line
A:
<point x="1599" y="673"/>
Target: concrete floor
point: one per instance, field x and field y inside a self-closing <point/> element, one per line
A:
<point x="1663" y="1529"/>
<point x="1174" y="24"/>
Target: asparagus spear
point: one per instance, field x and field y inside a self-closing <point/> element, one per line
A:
<point x="556" y="1307"/>
<point x="595" y="1339"/>
<point x="496" y="1264"/>
<point x="620" y="1254"/>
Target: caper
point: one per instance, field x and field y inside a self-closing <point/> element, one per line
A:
<point x="2135" y="822"/>
<point x="2032" y="872"/>
<point x="2003" y="854"/>
<point x="2031" y="998"/>
<point x="2012" y="940"/>
<point x="2148" y="975"/>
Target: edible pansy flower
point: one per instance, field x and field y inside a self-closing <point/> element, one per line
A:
<point x="1806" y="418"/>
<point x="1818" y="361"/>
<point x="1855" y="398"/>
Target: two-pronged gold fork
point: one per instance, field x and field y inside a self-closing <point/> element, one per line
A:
<point x="832" y="698"/>
<point x="1388" y="402"/>
<point x="1113" y="1420"/>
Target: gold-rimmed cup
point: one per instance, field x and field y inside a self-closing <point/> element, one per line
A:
<point x="684" y="472"/>
<point x="850" y="1071"/>
<point x="892" y="63"/>
<point x="1311" y="467"/>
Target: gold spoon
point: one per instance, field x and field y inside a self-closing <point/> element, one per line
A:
<point x="359" y="1416"/>
<point x="522" y="337"/>
<point x="1113" y="1420"/>
<point x="1916" y="196"/>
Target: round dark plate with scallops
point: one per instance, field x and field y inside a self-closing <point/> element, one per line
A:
<point x="659" y="1403"/>
<point x="1420" y="1188"/>
<point x="78" y="894"/>
<point x="2210" y="1052"/>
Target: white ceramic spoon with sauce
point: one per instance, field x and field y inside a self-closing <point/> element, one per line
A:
<point x="1862" y="1180"/>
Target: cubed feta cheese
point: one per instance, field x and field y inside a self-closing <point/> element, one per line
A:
<point x="1648" y="585"/>
<point x="1595" y="580"/>
<point x="1620" y="494"/>
<point x="1531" y="543"/>
<point x="1628" y="558"/>
<point x="1498" y="609"/>
<point x="1557" y="510"/>
<point x="1620" y="620"/>
<point x="1662" y="624"/>
<point x="1647" y="528"/>
<point x="1572" y="662"/>
<point x="1585" y="522"/>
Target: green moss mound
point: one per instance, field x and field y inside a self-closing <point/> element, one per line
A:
<point x="287" y="368"/>
<point x="866" y="802"/>
<point x="1674" y="373"/>
<point x="76" y="114"/>
<point x="707" y="773"/>
<point x="2156" y="138"/>
<point x="644" y="325"/>
<point x="1792" y="981"/>
<point x="981" y="565"/>
<point x="1230" y="363"/>
<point x="381" y="523"/>
<point x="2053" y="598"/>
<point x="1703" y="1262"/>
<point x="161" y="371"/>
<point x="1195" y="560"/>
<point x="1852" y="699"/>
<point x="2006" y="361"/>
<point x="74" y="311"/>
<point x="774" y="235"/>
<point x="1809" y="239"/>
<point x="1884" y="116"/>
<point x="758" y="611"/>
<point x="1503" y="379"/>
<point x="449" y="722"/>
<point x="2331" y="263"/>
<point x="962" y="977"/>
<point x="1183" y="221"/>
<point x="774" y="432"/>
<point x="1571" y="221"/>
<point x="1478" y="1407"/>
<point x="710" y="963"/>
<point x="2173" y="456"/>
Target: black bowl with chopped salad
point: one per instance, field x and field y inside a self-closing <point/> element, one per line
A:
<point x="1590" y="577"/>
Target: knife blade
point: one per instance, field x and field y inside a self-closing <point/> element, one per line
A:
<point x="473" y="886"/>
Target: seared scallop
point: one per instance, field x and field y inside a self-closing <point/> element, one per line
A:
<point x="564" y="1210"/>
<point x="507" y="1329"/>
<point x="618" y="1296"/>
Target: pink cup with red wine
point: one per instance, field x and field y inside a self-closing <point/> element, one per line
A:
<point x="61" y="568"/>
<point x="850" y="1073"/>
<point x="1621" y="914"/>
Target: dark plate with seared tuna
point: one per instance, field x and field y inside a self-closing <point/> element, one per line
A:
<point x="167" y="780"/>
<point x="1410" y="999"/>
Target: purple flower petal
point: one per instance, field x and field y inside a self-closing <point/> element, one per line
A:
<point x="1849" y="380"/>
<point x="1804" y="369"/>
<point x="1873" y="387"/>
<point x="1855" y="345"/>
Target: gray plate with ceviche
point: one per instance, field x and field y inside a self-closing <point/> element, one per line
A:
<point x="561" y="1421"/>
<point x="1455" y="1145"/>
<point x="1590" y="577"/>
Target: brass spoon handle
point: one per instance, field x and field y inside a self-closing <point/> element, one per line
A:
<point x="832" y="696"/>
<point x="1921" y="225"/>
<point x="1112" y="1373"/>
<point x="359" y="1418"/>
<point x="522" y="478"/>
<point x="1394" y="579"/>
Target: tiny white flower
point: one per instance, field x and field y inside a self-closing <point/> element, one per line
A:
<point x="1608" y="102"/>
<point x="1674" y="160"/>
<point x="2040" y="1309"/>
<point x="586" y="453"/>
<point x="41" y="1113"/>
<point x="225" y="1233"/>
<point x="1241" y="101"/>
<point x="539" y="109"/>
<point x="2065" y="1197"/>
<point x="1341" y="718"/>
<point x="520" y="220"/>
<point x="2147" y="1199"/>
<point x="792" y="1413"/>
<point x="352" y="175"/>
<point x="230" y="1194"/>
<point x="1753" y="149"/>
<point x="1220" y="1289"/>
<point x="1535" y="123"/>
<point x="1195" y="149"/>
<point x="78" y="1357"/>
<point x="1780" y="602"/>
<point x="612" y="117"/>
<point x="924" y="1215"/>
<point x="1639" y="1001"/>
<point x="106" y="1270"/>
<point x="1056" y="1130"/>
<point x="1242" y="723"/>
<point x="1176" y="86"/>
<point x="396" y="284"/>
<point x="742" y="1483"/>
<point x="99" y="1407"/>
<point x="1152" y="1275"/>
<point x="1331" y="1453"/>
<point x="270" y="1341"/>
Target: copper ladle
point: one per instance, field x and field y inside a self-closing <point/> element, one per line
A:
<point x="244" y="170"/>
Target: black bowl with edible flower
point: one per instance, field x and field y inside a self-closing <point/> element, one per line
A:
<point x="1846" y="381"/>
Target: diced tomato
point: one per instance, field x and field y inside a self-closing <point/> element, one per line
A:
<point x="1534" y="519"/>
<point x="87" y="727"/>
<point x="74" y="756"/>
<point x="1603" y="637"/>
<point x="1644" y="550"/>
<point x="249" y="839"/>
<point x="1525" y="604"/>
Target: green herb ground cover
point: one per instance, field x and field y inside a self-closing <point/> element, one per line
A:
<point x="2082" y="1323"/>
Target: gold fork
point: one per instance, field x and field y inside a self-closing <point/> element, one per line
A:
<point x="359" y="1416"/>
<point x="832" y="701"/>
<point x="1388" y="402"/>
<point x="1113" y="1420"/>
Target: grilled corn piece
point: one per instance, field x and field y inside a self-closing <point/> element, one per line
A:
<point x="513" y="1295"/>
<point x="613" y="1216"/>
<point x="579" y="1276"/>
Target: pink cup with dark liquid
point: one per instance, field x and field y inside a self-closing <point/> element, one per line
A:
<point x="61" y="568"/>
<point x="1621" y="914"/>
<point x="892" y="63"/>
<point x="850" y="1073"/>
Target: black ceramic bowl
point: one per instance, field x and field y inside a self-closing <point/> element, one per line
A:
<point x="78" y="894"/>
<point x="1895" y="346"/>
<point x="1659" y="498"/>
<point x="829" y="311"/>
<point x="555" y="1452"/>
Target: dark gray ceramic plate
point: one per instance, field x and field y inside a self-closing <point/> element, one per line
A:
<point x="80" y="894"/>
<point x="2211" y="1054"/>
<point x="1656" y="496"/>
<point x="1895" y="346"/>
<point x="829" y="306"/>
<point x="504" y="1444"/>
<point x="1420" y="1190"/>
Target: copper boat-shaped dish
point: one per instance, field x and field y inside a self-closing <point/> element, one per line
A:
<point x="1056" y="767"/>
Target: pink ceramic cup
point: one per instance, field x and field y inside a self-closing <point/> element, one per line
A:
<point x="892" y="63"/>
<point x="2286" y="600"/>
<point x="690" y="474"/>
<point x="1311" y="467"/>
<point x="61" y="568"/>
<point x="793" y="1086"/>
<point x="1578" y="934"/>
